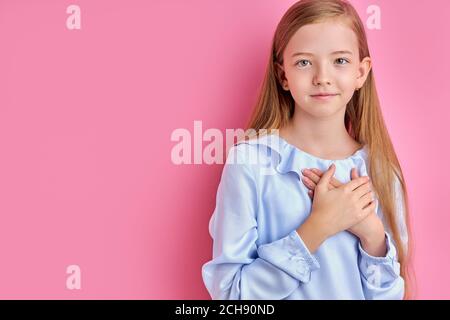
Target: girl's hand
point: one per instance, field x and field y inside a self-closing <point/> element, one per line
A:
<point x="311" y="179"/>
<point x="364" y="230"/>
<point x="370" y="231"/>
<point x="342" y="207"/>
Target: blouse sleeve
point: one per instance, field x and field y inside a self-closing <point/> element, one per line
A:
<point x="380" y="276"/>
<point x="240" y="269"/>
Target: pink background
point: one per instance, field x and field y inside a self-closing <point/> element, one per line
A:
<point x="86" y="117"/>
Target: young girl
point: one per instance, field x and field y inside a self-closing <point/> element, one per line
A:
<point x="330" y="232"/>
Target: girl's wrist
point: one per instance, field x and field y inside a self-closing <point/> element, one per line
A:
<point x="374" y="243"/>
<point x="313" y="233"/>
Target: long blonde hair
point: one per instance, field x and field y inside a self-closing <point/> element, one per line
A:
<point x="363" y="118"/>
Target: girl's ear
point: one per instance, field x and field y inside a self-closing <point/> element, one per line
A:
<point x="281" y="76"/>
<point x="363" y="71"/>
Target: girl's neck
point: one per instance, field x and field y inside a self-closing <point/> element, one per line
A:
<point x="325" y="138"/>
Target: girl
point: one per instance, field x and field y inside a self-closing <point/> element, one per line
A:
<point x="349" y="238"/>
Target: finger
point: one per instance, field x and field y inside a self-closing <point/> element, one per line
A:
<point x="310" y="194"/>
<point x="315" y="178"/>
<point x="311" y="175"/>
<point x="308" y="183"/>
<point x="355" y="183"/>
<point x="370" y="208"/>
<point x="366" y="199"/>
<point x="325" y="179"/>
<point x="354" y="174"/>
<point x="334" y="182"/>
<point x="370" y="204"/>
<point x="363" y="189"/>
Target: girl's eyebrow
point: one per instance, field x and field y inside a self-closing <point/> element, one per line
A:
<point x="310" y="54"/>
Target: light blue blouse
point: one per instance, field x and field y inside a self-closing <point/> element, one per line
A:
<point x="257" y="252"/>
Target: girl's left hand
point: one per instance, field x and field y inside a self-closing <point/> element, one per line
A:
<point x="311" y="178"/>
<point x="366" y="229"/>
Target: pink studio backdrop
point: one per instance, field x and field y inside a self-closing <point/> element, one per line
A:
<point x="86" y="118"/>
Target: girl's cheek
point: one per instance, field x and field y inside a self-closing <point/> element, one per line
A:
<point x="349" y="78"/>
<point x="302" y="84"/>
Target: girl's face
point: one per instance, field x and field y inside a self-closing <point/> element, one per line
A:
<point x="312" y="65"/>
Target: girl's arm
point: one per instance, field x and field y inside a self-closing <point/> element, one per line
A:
<point x="239" y="268"/>
<point x="380" y="276"/>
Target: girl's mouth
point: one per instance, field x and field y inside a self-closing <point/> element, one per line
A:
<point x="324" y="97"/>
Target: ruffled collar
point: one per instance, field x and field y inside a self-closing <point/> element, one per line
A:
<point x="289" y="158"/>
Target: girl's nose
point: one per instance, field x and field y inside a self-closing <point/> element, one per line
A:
<point x="322" y="80"/>
<point x="321" y="76"/>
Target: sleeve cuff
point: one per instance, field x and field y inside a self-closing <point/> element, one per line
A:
<point x="291" y="255"/>
<point x="390" y="252"/>
<point x="380" y="269"/>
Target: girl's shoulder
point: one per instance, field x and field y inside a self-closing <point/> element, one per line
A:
<point x="254" y="150"/>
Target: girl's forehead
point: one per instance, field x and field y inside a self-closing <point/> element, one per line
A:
<point x="323" y="38"/>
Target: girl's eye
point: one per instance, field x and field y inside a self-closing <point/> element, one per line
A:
<point x="301" y="64"/>
<point x="342" y="61"/>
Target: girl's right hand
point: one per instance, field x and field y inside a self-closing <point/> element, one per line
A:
<point x="338" y="209"/>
